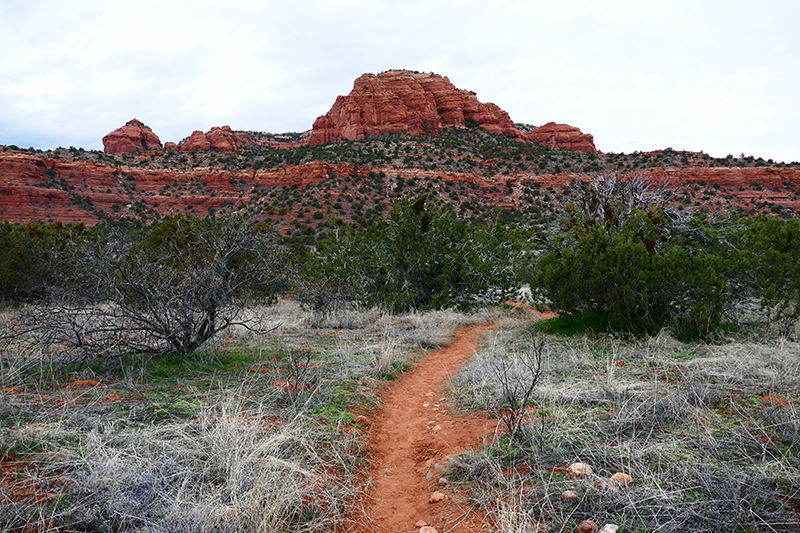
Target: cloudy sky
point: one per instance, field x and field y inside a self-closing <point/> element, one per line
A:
<point x="722" y="76"/>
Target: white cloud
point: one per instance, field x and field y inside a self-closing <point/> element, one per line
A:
<point x="715" y="75"/>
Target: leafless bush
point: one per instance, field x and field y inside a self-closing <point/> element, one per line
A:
<point x="116" y="295"/>
<point x="517" y="377"/>
<point x="299" y="372"/>
<point x="611" y="200"/>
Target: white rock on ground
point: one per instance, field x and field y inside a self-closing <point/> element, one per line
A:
<point x="579" y="469"/>
<point x="436" y="497"/>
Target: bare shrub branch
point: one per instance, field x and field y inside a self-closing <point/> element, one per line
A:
<point x="171" y="291"/>
<point x="518" y="377"/>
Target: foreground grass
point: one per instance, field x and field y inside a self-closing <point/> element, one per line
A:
<point x="709" y="433"/>
<point x="248" y="434"/>
<point x="259" y="434"/>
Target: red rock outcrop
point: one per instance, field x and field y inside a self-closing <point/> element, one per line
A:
<point x="130" y="138"/>
<point x="222" y="139"/>
<point x="226" y="140"/>
<point x="400" y="101"/>
<point x="562" y="136"/>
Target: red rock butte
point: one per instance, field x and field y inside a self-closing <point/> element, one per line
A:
<point x="562" y="136"/>
<point x="222" y="139"/>
<point x="389" y="103"/>
<point x="400" y="101"/>
<point x="132" y="137"/>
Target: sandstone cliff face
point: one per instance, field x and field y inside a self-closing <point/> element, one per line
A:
<point x="406" y="102"/>
<point x="130" y="138"/>
<point x="39" y="188"/>
<point x="562" y="136"/>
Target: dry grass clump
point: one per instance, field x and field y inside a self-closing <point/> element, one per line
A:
<point x="20" y="352"/>
<point x="709" y="433"/>
<point x="226" y="470"/>
<point x="386" y="345"/>
<point x="434" y="329"/>
<point x="343" y="319"/>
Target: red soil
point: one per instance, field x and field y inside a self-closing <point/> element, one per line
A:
<point x="775" y="400"/>
<point x="18" y="482"/>
<point x="409" y="440"/>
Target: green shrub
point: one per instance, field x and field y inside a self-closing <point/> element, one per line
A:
<point x="25" y="251"/>
<point x="642" y="269"/>
<point x="421" y="257"/>
<point x="766" y="266"/>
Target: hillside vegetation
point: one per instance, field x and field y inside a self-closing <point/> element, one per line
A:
<point x="303" y="191"/>
<point x="207" y="369"/>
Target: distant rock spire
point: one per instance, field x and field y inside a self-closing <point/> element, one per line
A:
<point x="132" y="137"/>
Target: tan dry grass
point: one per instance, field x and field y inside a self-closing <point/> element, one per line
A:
<point x="230" y="469"/>
<point x="686" y="421"/>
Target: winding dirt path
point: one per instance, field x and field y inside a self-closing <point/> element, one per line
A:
<point x="408" y="441"/>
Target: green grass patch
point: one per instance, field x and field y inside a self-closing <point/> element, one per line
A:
<point x="333" y="414"/>
<point x="575" y="325"/>
<point x="685" y="355"/>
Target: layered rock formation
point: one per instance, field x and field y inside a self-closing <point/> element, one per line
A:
<point x="562" y="136"/>
<point x="37" y="188"/>
<point x="131" y="138"/>
<point x="400" y="101"/>
<point x="80" y="187"/>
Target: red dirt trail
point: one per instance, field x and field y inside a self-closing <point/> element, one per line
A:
<point x="409" y="440"/>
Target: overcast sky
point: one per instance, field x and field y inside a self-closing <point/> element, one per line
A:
<point x="722" y="76"/>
